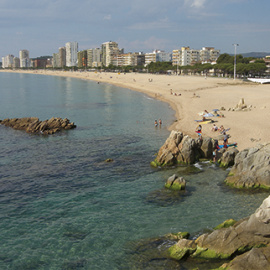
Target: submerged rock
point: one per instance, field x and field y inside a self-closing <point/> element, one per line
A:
<point x="33" y="125"/>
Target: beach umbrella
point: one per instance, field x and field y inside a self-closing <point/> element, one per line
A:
<point x="215" y="110"/>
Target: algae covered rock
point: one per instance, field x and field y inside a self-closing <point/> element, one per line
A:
<point x="240" y="237"/>
<point x="227" y="223"/>
<point x="176" y="183"/>
<point x="182" y="249"/>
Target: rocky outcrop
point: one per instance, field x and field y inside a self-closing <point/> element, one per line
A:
<point x="251" y="168"/>
<point x="34" y="125"/>
<point x="182" y="149"/>
<point x="249" y="236"/>
<point x="175" y="183"/>
<point x="227" y="157"/>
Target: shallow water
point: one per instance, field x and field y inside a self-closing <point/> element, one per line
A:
<point x="63" y="207"/>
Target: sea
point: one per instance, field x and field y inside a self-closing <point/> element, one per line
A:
<point x="62" y="206"/>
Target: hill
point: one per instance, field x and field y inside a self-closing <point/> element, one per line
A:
<point x="255" y="54"/>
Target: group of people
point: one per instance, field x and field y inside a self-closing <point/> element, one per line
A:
<point x="159" y="122"/>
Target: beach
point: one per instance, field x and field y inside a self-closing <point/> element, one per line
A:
<point x="190" y="95"/>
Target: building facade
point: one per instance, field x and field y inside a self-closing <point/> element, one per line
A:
<point x="71" y="54"/>
<point x="94" y="57"/>
<point x="109" y="52"/>
<point x="82" y="59"/>
<point x="186" y="56"/>
<point x="7" y="61"/>
<point x="24" y="59"/>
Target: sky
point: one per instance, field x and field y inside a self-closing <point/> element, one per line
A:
<point x="42" y="26"/>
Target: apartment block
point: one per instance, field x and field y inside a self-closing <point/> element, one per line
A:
<point x="7" y="61"/>
<point x="24" y="59"/>
<point x="71" y="54"/>
<point x="186" y="56"/>
<point x="109" y="52"/>
<point x="94" y="57"/>
<point x="157" y="56"/>
<point x="82" y="59"/>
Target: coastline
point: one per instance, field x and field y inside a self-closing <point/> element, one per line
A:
<point x="195" y="94"/>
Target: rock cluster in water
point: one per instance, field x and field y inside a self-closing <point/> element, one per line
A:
<point x="182" y="149"/>
<point x="34" y="125"/>
<point x="246" y="242"/>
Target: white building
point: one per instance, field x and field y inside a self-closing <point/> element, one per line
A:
<point x="157" y="56"/>
<point x="7" y="61"/>
<point x="186" y="56"/>
<point x="24" y="59"/>
<point x="71" y="54"/>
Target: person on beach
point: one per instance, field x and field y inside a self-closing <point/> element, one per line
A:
<point x="214" y="128"/>
<point x="199" y="131"/>
<point x="156" y="123"/>
<point x="221" y="129"/>
<point x="225" y="138"/>
<point x="160" y="122"/>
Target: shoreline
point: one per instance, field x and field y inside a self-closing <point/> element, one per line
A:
<point x="195" y="94"/>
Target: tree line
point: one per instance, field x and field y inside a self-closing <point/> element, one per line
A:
<point x="245" y="66"/>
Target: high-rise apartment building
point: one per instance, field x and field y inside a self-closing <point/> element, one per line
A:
<point x="24" y="59"/>
<point x="82" y="59"/>
<point x="71" y="54"/>
<point x="94" y="57"/>
<point x="7" y="61"/>
<point x="109" y="51"/>
<point x="62" y="57"/>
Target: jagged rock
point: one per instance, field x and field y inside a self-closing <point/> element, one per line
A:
<point x="256" y="258"/>
<point x="33" y="125"/>
<point x="176" y="183"/>
<point x="251" y="168"/>
<point x="180" y="149"/>
<point x="207" y="147"/>
<point x="241" y="237"/>
<point x="228" y="157"/>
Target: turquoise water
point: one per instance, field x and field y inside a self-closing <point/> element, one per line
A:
<point x="63" y="207"/>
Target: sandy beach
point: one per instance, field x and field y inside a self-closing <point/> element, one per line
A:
<point x="190" y="95"/>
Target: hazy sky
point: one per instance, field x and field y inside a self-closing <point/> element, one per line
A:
<point x="42" y="26"/>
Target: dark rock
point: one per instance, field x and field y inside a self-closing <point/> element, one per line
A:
<point x="228" y="157"/>
<point x="33" y="125"/>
